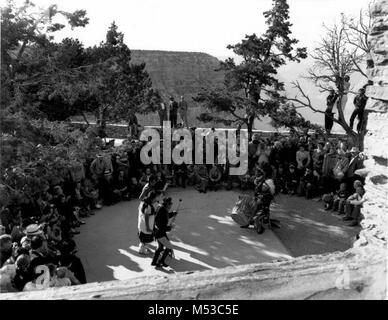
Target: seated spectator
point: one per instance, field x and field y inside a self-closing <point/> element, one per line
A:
<point x="79" y="200"/>
<point x="192" y="177"/>
<point x="215" y="176"/>
<point x="40" y="254"/>
<point x="91" y="195"/>
<point x="245" y="180"/>
<point x="134" y="188"/>
<point x="280" y="180"/>
<point x="168" y="175"/>
<point x="292" y="180"/>
<point x="353" y="207"/>
<point x="203" y="177"/>
<point x="309" y="183"/>
<point x="71" y="261"/>
<point x="180" y="175"/>
<point x="23" y="273"/>
<point x="58" y="277"/>
<point x="120" y="188"/>
<point x="143" y="179"/>
<point x="161" y="185"/>
<point x="340" y="199"/>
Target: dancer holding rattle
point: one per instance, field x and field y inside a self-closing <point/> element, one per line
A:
<point x="163" y="221"/>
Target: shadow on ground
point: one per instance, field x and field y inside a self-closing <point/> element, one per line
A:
<point x="206" y="237"/>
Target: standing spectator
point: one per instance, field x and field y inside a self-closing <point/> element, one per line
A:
<point x="341" y="103"/>
<point x="318" y="157"/>
<point x="183" y="111"/>
<point x="359" y="107"/>
<point x="173" y="112"/>
<point x="133" y="125"/>
<point x="329" y="161"/>
<point x="303" y="159"/>
<point x="162" y="112"/>
<point x="329" y="114"/>
<point x="355" y="163"/>
<point x="192" y="177"/>
<point x="340" y="168"/>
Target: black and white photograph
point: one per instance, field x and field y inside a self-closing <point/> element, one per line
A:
<point x="178" y="151"/>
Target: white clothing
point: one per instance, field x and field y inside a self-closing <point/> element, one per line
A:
<point x="141" y="224"/>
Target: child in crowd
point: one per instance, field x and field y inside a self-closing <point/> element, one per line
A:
<point x="336" y="201"/>
<point x="292" y="180"/>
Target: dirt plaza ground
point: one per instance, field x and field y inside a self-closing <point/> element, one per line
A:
<point x="206" y="237"/>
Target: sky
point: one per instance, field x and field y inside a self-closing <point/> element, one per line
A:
<point x="197" y="25"/>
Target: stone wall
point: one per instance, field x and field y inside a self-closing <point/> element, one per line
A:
<point x="359" y="273"/>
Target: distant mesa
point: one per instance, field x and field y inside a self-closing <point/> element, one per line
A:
<point x="179" y="73"/>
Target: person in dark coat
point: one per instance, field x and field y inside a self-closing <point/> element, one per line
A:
<point x="161" y="227"/>
<point x="329" y="114"/>
<point x="173" y="112"/>
<point x="359" y="102"/>
<point x="71" y="261"/>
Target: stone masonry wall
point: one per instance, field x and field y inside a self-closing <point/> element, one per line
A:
<point x="359" y="273"/>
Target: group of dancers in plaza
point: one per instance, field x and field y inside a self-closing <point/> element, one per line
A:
<point x="156" y="218"/>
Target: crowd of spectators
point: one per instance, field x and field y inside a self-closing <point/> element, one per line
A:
<point x="39" y="231"/>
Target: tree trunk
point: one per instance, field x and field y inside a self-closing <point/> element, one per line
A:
<point x="86" y="119"/>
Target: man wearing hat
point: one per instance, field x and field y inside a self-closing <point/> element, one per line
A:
<point x="359" y="106"/>
<point x="161" y="227"/>
<point x="355" y="163"/>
